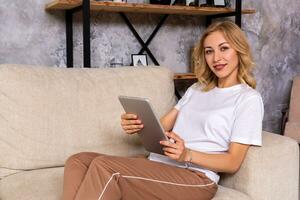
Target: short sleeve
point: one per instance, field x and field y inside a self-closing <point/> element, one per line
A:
<point x="247" y="127"/>
<point x="187" y="95"/>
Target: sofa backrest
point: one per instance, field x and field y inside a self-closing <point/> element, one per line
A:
<point x="294" y="108"/>
<point x="292" y="126"/>
<point x="49" y="113"/>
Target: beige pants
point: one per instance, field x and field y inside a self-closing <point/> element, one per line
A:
<point x="92" y="176"/>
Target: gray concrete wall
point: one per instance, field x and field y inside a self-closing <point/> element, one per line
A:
<point x="30" y="35"/>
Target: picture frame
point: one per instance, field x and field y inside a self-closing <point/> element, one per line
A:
<point x="219" y="3"/>
<point x="139" y="59"/>
<point x="215" y="3"/>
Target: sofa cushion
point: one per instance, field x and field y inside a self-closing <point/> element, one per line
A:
<point x="224" y="193"/>
<point x="47" y="184"/>
<point x="47" y="114"/>
<point x="40" y="184"/>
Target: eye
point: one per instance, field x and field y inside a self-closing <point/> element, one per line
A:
<point x="208" y="51"/>
<point x="224" y="48"/>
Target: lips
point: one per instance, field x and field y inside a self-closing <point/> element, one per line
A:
<point x="219" y="67"/>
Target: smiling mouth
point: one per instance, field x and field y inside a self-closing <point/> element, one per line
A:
<point x="219" y="67"/>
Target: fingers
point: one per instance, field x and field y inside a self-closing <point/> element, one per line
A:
<point x="174" y="136"/>
<point x="176" y="154"/>
<point x="170" y="155"/>
<point x="131" y="131"/>
<point x="172" y="150"/>
<point x="130" y="123"/>
<point x="168" y="143"/>
<point x="172" y="147"/>
<point x="128" y="116"/>
<point x="175" y="150"/>
<point x="128" y="119"/>
<point x="132" y="127"/>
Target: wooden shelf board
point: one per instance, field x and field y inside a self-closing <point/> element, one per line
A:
<point x="154" y="8"/>
<point x="184" y="76"/>
<point x="63" y="4"/>
<point x="141" y="8"/>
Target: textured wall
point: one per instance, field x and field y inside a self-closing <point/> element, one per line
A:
<point x="274" y="32"/>
<point x="30" y="35"/>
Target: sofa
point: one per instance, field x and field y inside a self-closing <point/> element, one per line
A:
<point x="50" y="113"/>
<point x="292" y="126"/>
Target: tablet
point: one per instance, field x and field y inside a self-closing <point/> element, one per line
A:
<point x="152" y="131"/>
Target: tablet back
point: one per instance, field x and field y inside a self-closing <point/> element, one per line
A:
<point x="152" y="132"/>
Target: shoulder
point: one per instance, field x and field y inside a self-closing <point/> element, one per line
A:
<point x="196" y="87"/>
<point x="250" y="99"/>
<point x="248" y="93"/>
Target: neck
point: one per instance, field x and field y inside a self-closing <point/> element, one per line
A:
<point x="229" y="80"/>
<point x="227" y="83"/>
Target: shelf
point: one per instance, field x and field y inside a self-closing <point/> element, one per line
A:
<point x="72" y="6"/>
<point x="63" y="4"/>
<point x="184" y="76"/>
<point x="142" y="8"/>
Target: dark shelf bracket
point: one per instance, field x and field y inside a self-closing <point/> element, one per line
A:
<point x="139" y="39"/>
<point x="158" y="26"/>
<point x="238" y="12"/>
<point x="69" y="37"/>
<point x="86" y="33"/>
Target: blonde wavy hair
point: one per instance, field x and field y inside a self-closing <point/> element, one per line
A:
<point x="238" y="41"/>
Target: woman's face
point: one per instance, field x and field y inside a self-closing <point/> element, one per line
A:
<point x="221" y="58"/>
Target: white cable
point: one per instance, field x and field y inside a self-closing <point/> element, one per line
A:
<point x="152" y="180"/>
<point x="107" y="184"/>
<point x="166" y="182"/>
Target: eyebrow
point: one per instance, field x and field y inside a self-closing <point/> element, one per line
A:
<point x="218" y="45"/>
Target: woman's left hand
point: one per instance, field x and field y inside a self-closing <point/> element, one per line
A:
<point x="175" y="150"/>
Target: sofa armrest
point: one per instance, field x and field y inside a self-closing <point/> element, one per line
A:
<point x="268" y="172"/>
<point x="292" y="130"/>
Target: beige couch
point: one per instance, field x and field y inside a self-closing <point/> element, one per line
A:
<point x="47" y="114"/>
<point x="292" y="126"/>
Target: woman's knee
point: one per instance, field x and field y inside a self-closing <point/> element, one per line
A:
<point x="84" y="158"/>
<point x="103" y="160"/>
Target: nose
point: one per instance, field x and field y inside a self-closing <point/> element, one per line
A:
<point x="217" y="56"/>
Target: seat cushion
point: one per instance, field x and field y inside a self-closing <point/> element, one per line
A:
<point x="225" y="193"/>
<point x="47" y="184"/>
<point x="40" y="184"/>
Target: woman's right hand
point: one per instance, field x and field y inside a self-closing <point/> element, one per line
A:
<point x="130" y="123"/>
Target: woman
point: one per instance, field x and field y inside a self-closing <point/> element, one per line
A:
<point x="212" y="127"/>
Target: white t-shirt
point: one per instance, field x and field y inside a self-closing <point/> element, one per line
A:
<point x="209" y="121"/>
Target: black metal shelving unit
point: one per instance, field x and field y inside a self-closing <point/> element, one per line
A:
<point x="85" y="9"/>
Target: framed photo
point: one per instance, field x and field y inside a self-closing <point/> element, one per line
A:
<point x="219" y="3"/>
<point x="139" y="59"/>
